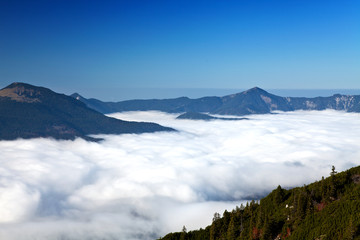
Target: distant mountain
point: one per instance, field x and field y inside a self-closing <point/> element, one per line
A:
<point x="252" y="101"/>
<point x="203" y="116"/>
<point x="28" y="111"/>
<point x="326" y="209"/>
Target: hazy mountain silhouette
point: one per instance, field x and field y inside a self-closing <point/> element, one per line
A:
<point x="252" y="101"/>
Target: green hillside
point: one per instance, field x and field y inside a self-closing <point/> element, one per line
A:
<point x="324" y="210"/>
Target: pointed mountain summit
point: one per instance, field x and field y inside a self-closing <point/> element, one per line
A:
<point x="28" y="111"/>
<point x="255" y="90"/>
<point x="77" y="96"/>
<point x="252" y="101"/>
<point x="252" y="92"/>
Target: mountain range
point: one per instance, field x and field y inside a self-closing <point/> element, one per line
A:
<point x="28" y="111"/>
<point x="252" y="101"/>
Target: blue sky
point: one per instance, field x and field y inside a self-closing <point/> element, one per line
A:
<point x="102" y="48"/>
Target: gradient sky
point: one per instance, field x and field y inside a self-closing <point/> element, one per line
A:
<point x="101" y="47"/>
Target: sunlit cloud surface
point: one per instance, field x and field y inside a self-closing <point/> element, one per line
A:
<point x="143" y="186"/>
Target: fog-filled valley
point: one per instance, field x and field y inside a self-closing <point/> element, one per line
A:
<point x="142" y="186"/>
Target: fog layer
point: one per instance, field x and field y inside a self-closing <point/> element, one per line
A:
<point x="143" y="186"/>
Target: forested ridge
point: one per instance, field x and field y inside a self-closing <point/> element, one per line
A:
<point x="326" y="209"/>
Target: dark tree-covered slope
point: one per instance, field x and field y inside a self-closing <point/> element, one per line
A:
<point x="28" y="111"/>
<point x="252" y="101"/>
<point x="325" y="210"/>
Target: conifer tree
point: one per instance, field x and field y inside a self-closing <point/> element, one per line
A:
<point x="183" y="233"/>
<point x="215" y="226"/>
<point x="267" y="229"/>
<point x="279" y="195"/>
<point x="231" y="231"/>
<point x="333" y="187"/>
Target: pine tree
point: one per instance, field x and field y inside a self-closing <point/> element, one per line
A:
<point x="183" y="233"/>
<point x="231" y="231"/>
<point x="279" y="195"/>
<point x="301" y="206"/>
<point x="323" y="190"/>
<point x="215" y="226"/>
<point x="333" y="187"/>
<point x="267" y="229"/>
<point x="216" y="217"/>
<point x="333" y="172"/>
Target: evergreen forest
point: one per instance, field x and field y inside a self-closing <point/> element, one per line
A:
<point x="324" y="210"/>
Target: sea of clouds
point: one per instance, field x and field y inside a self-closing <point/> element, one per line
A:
<point x="143" y="186"/>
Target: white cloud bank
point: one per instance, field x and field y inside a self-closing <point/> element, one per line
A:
<point x="142" y="186"/>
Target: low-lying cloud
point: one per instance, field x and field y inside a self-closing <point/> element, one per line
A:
<point x="143" y="186"/>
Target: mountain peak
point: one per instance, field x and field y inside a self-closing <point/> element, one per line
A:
<point x="17" y="84"/>
<point x="255" y="90"/>
<point x="21" y="92"/>
<point x="251" y="92"/>
<point x="76" y="96"/>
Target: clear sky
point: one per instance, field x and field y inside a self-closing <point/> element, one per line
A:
<point x="104" y="47"/>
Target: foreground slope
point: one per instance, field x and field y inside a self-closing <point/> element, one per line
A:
<point x="28" y="111"/>
<point x="327" y="209"/>
<point x="252" y="101"/>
